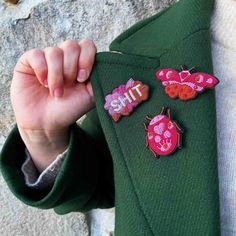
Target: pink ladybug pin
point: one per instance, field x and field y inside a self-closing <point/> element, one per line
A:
<point x="163" y="134"/>
<point x="184" y="84"/>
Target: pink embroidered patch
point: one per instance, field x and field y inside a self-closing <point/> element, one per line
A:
<point x="163" y="134"/>
<point x="184" y="84"/>
<point x="125" y="98"/>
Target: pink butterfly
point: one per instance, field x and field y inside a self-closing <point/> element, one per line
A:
<point x="184" y="84"/>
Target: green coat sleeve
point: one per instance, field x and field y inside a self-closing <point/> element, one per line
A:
<point x="85" y="180"/>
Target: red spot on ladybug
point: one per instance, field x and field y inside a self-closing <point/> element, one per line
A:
<point x="163" y="134"/>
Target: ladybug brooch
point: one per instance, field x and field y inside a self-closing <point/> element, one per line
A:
<point x="185" y="84"/>
<point x="163" y="134"/>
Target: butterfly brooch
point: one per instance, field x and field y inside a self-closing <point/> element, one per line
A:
<point x="184" y="84"/>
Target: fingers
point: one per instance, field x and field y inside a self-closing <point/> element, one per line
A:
<point x="32" y="63"/>
<point x="78" y="59"/>
<point x="86" y="59"/>
<point x="55" y="67"/>
<point x="71" y="51"/>
<point x="69" y="62"/>
<point x="54" y="59"/>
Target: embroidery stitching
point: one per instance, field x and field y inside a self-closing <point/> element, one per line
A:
<point x="184" y="84"/>
<point x="123" y="100"/>
<point x="163" y="134"/>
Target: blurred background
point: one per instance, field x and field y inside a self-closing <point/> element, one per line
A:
<point x="27" y="24"/>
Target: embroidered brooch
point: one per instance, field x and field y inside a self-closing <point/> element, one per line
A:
<point x="184" y="84"/>
<point x="163" y="134"/>
<point x="123" y="100"/>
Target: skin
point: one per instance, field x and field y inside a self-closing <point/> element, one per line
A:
<point x="50" y="90"/>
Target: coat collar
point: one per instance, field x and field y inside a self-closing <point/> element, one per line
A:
<point x="163" y="31"/>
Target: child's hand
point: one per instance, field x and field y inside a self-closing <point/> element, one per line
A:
<point x="50" y="90"/>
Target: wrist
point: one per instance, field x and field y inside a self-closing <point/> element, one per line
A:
<point x="45" y="145"/>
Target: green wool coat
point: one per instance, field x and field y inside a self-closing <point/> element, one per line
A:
<point x="108" y="163"/>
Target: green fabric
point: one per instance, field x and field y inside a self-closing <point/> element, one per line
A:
<point x="174" y="195"/>
<point x="84" y="182"/>
<point x="154" y="36"/>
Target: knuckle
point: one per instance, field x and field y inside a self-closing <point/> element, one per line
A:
<point x="34" y="52"/>
<point x="53" y="52"/>
<point x="70" y="44"/>
<point x="32" y="58"/>
<point x="88" y="42"/>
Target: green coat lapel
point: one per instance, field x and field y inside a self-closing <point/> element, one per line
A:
<point x="153" y="36"/>
<point x="178" y="194"/>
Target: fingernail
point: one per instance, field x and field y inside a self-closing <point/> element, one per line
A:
<point x="83" y="75"/>
<point x="58" y="92"/>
